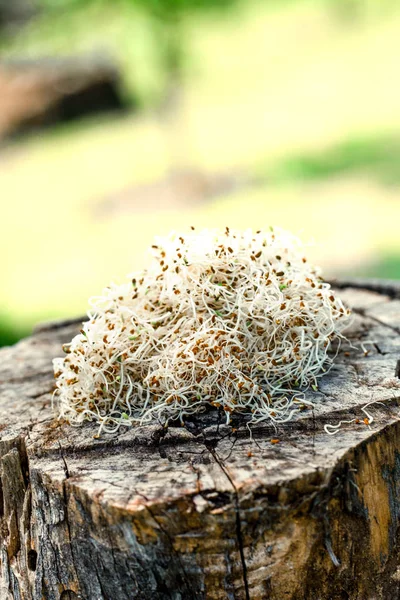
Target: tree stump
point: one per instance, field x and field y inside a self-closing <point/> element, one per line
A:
<point x="203" y="511"/>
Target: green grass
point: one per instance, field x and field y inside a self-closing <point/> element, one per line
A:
<point x="387" y="267"/>
<point x="10" y="333"/>
<point x="375" y="157"/>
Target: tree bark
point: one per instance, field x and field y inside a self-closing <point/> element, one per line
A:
<point x="205" y="512"/>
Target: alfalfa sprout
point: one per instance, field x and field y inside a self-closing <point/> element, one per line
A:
<point x="230" y="319"/>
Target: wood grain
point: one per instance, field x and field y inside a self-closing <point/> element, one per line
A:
<point x="203" y="511"/>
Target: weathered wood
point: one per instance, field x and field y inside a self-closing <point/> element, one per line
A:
<point x="203" y="512"/>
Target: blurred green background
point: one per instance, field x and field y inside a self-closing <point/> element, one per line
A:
<point x="232" y="112"/>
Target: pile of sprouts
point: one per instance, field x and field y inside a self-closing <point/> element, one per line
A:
<point x="234" y="320"/>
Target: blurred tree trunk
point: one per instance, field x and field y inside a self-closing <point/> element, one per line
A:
<point x="170" y="33"/>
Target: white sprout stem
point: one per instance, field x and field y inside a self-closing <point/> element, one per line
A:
<point x="233" y="320"/>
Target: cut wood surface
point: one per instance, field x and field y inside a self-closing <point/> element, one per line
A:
<point x="203" y="511"/>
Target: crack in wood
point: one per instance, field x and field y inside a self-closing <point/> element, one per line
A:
<point x="397" y="370"/>
<point x="239" y="534"/>
<point x="189" y="591"/>
<point x="363" y="313"/>
<point x="379" y="351"/>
